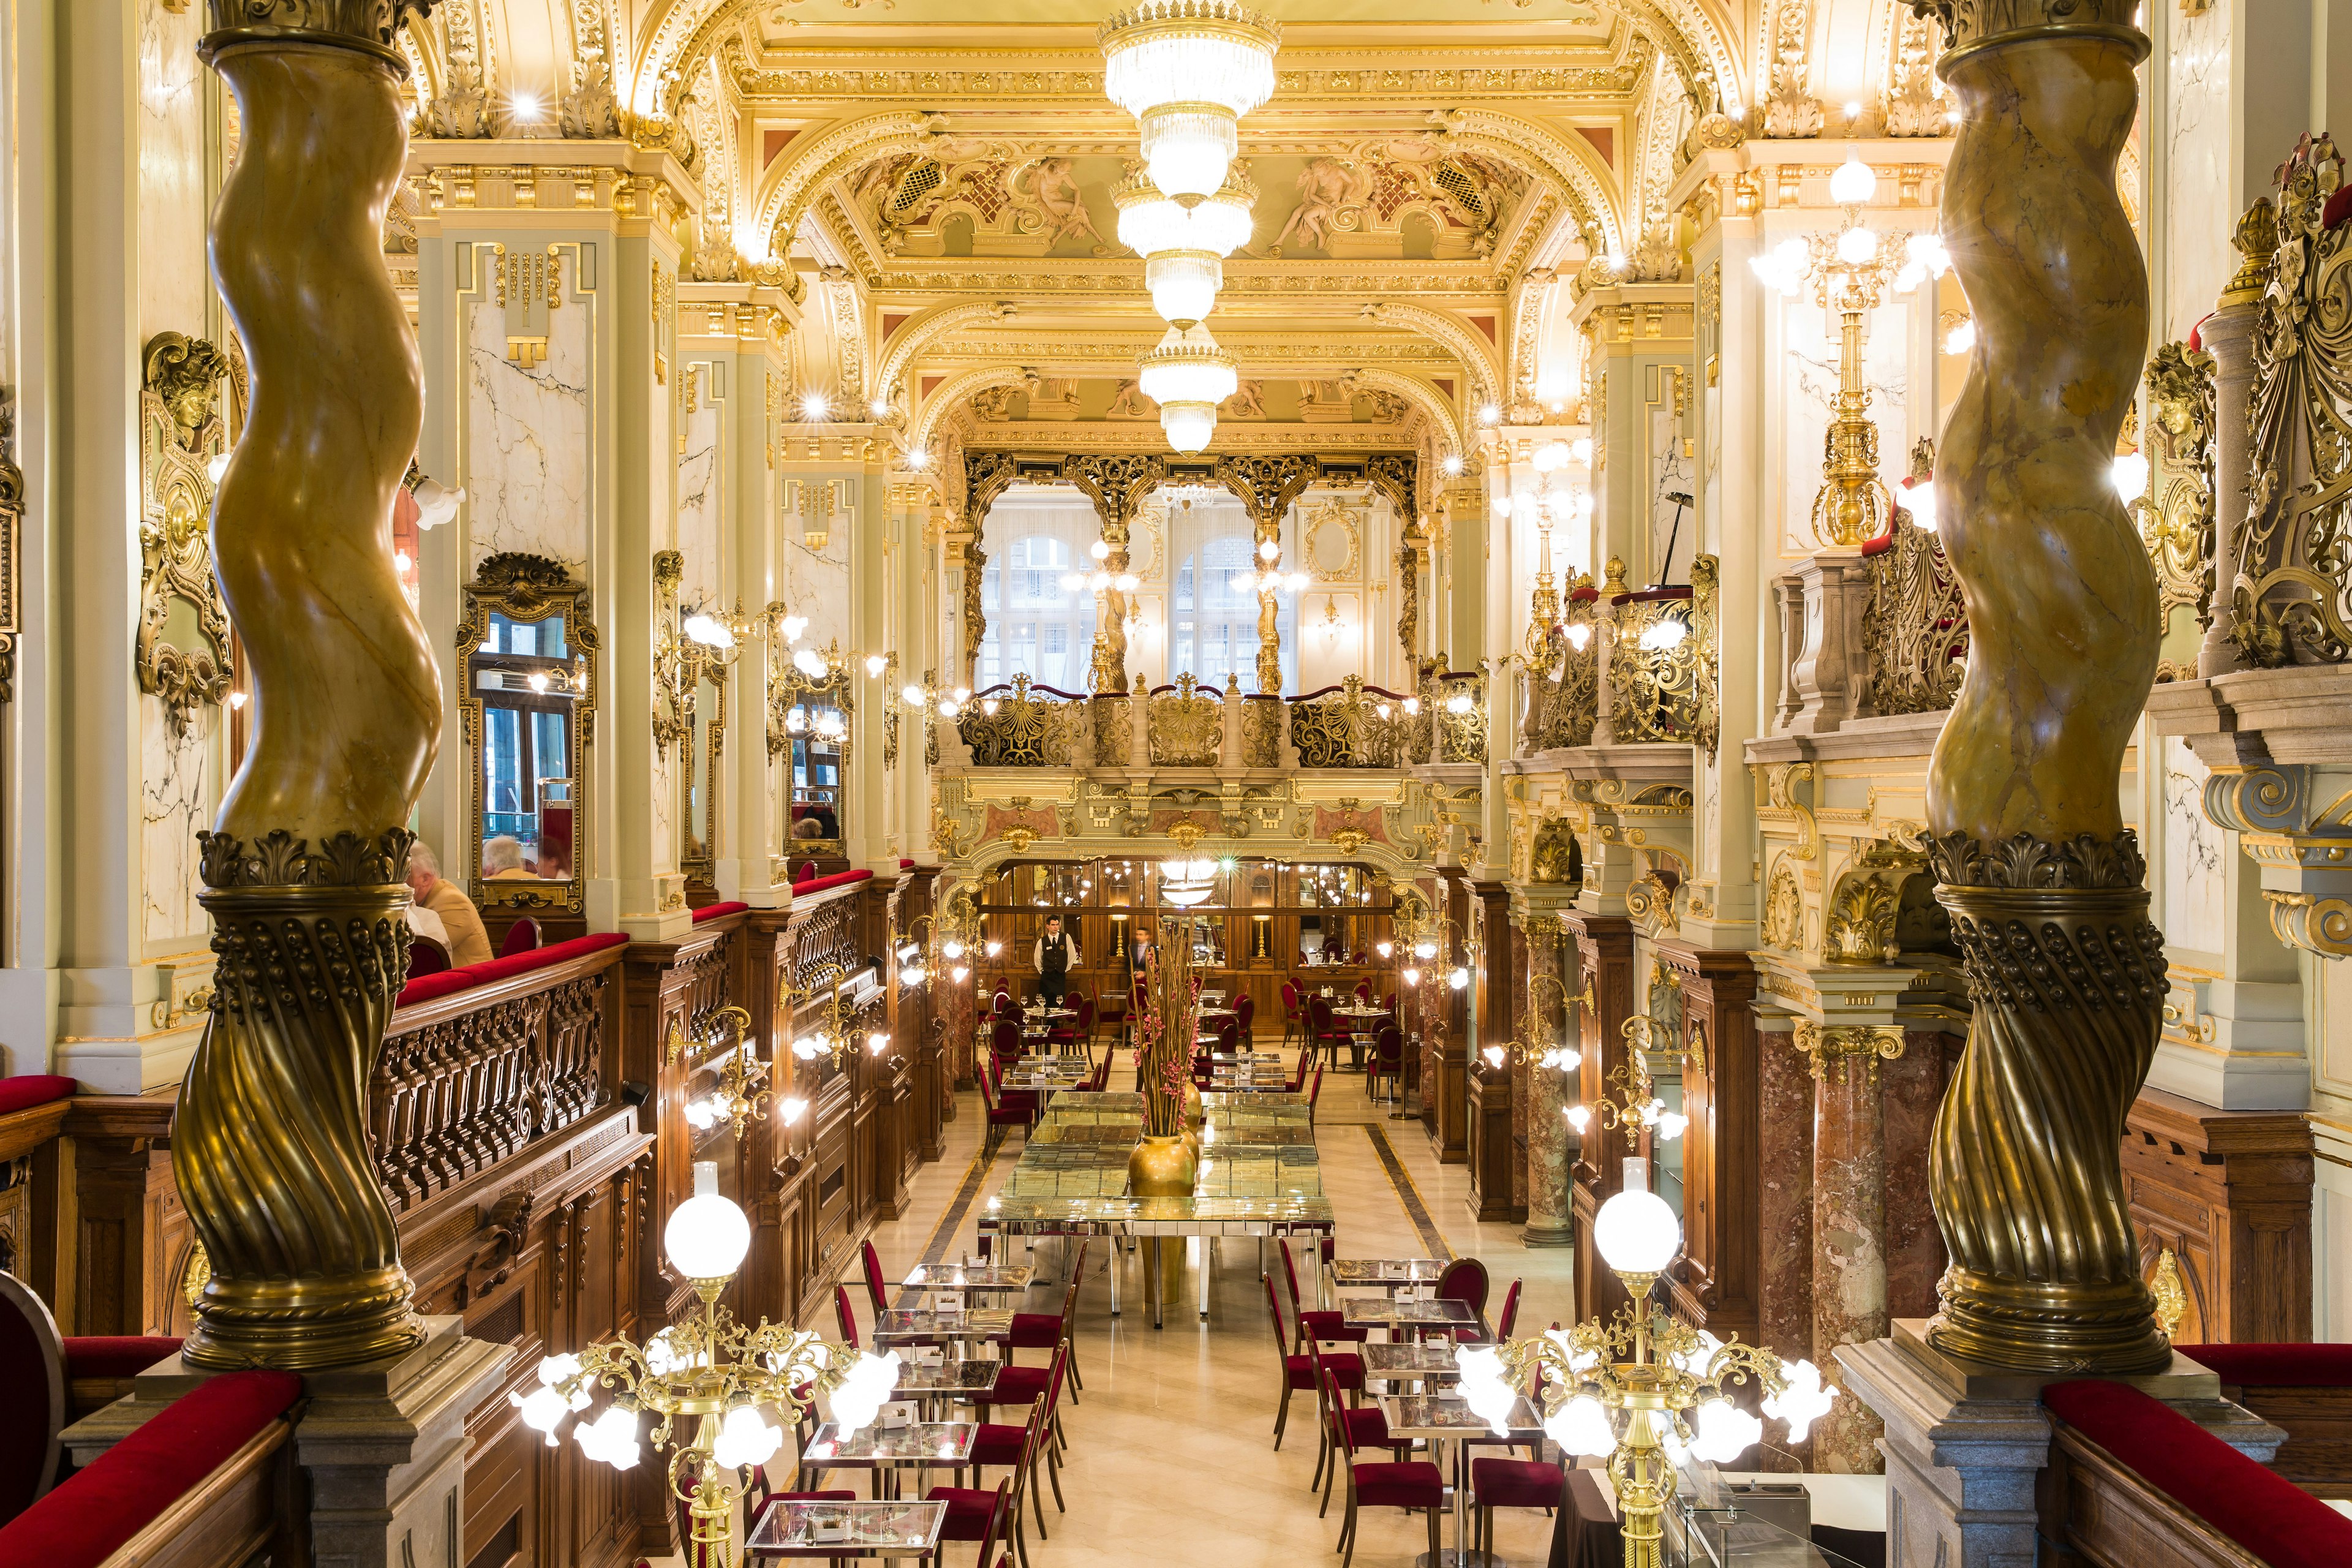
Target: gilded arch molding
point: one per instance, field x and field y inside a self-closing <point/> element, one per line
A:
<point x="1692" y="39"/>
<point x="1577" y="172"/>
<point x="922" y="329"/>
<point x="806" y="169"/>
<point x="1449" y="332"/>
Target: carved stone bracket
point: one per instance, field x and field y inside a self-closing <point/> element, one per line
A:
<point x="1831" y="1049"/>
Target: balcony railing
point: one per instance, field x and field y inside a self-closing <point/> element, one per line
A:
<point x="1661" y="667"/>
<point x="1187" y="724"/>
<point x="1350" y="725"/>
<point x="1915" y="626"/>
<point x="1024" y="726"/>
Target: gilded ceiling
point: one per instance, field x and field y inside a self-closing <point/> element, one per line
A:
<point x="933" y="179"/>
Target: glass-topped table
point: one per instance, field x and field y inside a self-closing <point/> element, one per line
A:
<point x="888" y="1450"/>
<point x="1259" y="1177"/>
<point x="787" y="1529"/>
<point x="1398" y="1364"/>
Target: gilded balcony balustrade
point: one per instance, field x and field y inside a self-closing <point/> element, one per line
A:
<point x="1915" y="626"/>
<point x="1662" y="663"/>
<point x="1461" y="716"/>
<point x="1350" y="725"/>
<point x="1026" y="726"/>
<point x="1187" y="724"/>
<point x="1564" y="682"/>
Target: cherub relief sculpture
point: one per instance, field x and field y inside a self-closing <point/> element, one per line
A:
<point x="1051" y="201"/>
<point x="1331" y="195"/>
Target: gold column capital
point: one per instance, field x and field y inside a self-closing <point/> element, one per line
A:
<point x="1831" y="1047"/>
<point x="366" y="26"/>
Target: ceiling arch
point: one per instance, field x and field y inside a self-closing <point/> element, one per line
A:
<point x="1689" y="35"/>
<point x="811" y="162"/>
<point x="921" y="331"/>
<point x="1577" y="172"/>
<point x="1467" y="344"/>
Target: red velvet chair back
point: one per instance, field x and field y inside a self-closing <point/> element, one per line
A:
<point x="1229" y="1035"/>
<point x="1510" y="1316"/>
<point x="876" y="1285"/>
<point x="1319" y="1016"/>
<point x="1364" y="992"/>
<point x="427" y="956"/>
<point x="1464" y="1281"/>
<point x="1290" y="999"/>
<point x="848" y="1319"/>
<point x="1005" y="1039"/>
<point x="1388" y="1047"/>
<point x="1313" y="1090"/>
<point x="1246" y="1011"/>
<point x="1086" y="1013"/>
<point x="33" y="1362"/>
<point x="522" y="937"/>
<point x="1003" y="1002"/>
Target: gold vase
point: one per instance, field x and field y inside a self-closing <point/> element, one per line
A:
<point x="1162" y="1167"/>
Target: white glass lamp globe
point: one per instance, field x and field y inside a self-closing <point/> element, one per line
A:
<point x="1183" y="285"/>
<point x="1853" y="182"/>
<point x="1636" y="1232"/>
<point x="707" y="1234"/>
<point x="1188" y="426"/>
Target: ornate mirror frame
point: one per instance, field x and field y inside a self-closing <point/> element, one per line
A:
<point x="526" y="588"/>
<point x="182" y="433"/>
<point x="788" y="687"/>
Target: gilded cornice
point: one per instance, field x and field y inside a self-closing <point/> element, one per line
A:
<point x="550" y="178"/>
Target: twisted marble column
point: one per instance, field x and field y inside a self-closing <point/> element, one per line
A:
<point x="2044" y="882"/>
<point x="304" y="868"/>
<point x="1549" y="1207"/>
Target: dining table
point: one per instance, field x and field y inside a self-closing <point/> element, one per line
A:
<point x="888" y="1451"/>
<point x="1401" y="1363"/>
<point x="944" y="1381"/>
<point x="1442" y="1421"/>
<point x="926" y="1326"/>
<point x="796" y="1528"/>
<point x="1399" y="1314"/>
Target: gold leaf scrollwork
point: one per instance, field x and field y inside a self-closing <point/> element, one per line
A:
<point x="1187" y="727"/>
<point x="1662" y="677"/>
<point x="1860" y="925"/>
<point x="184" y="632"/>
<point x="1830" y="1049"/>
<point x="1025" y="731"/>
<point x="2175" y="514"/>
<point x="1346" y="728"/>
<point x="1915" y="624"/>
<point x="1784" y="909"/>
<point x="2171" y="1296"/>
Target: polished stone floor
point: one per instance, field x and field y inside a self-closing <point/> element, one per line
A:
<point x="1172" y="1459"/>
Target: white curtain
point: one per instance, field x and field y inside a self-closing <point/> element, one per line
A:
<point x="1212" y="625"/>
<point x="1037" y="626"/>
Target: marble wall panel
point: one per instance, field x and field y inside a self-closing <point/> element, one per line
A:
<point x="174" y="287"/>
<point x="2199" y="211"/>
<point x="1911" y="1087"/>
<point x="1670" y="472"/>
<point x="528" y="463"/>
<point x="816" y="582"/>
<point x="1809" y="397"/>
<point x="2196" y="857"/>
<point x="700" y="492"/>
<point x="176" y="790"/>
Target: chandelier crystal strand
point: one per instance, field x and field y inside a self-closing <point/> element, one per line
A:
<point x="1187" y="70"/>
<point x="1183" y="243"/>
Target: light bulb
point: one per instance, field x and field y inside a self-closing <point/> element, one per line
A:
<point x="1412" y="707"/>
<point x="537" y="681"/>
<point x="876" y="664"/>
<point x="1725" y="1431"/>
<point x="1806" y="1399"/>
<point x="611" y="1437"/>
<point x="1424" y="949"/>
<point x="1580" y="1425"/>
<point x="745" y="1438"/>
<point x="815" y="406"/>
<point x="1962" y="336"/>
<point x="1494" y="1055"/>
<point x="1099" y="550"/>
<point x="1183" y="285"/>
<point x="919" y="459"/>
<point x="1411" y="976"/>
<point x="2130" y="474"/>
<point x="1188" y="148"/>
<point x="1269" y="549"/>
<point x="793" y="627"/>
<point x="526" y="107"/>
<point x="1551" y="455"/>
<point x="1664" y="633"/>
<point x="958" y="974"/>
<point x="1579" y="634"/>
<point x="1919" y="500"/>
<point x="1579" y="1117"/>
<point x="912" y="696"/>
<point x="544" y="1410"/>
<point x="949" y="707"/>
<point x="1384" y="948"/>
<point x="1188" y="426"/>
<point x="706" y="1236"/>
<point x="1459" y="979"/>
<point x="995" y="948"/>
<point x="953" y="948"/>
<point x="1484" y="1388"/>
<point x="879" y="407"/>
<point x="1459" y="702"/>
<point x="1126" y="583"/>
<point x="1490" y="414"/>
<point x="1853" y="182"/>
<point x="1857" y="246"/>
<point x="1636" y="1232"/>
<point x="808" y="661"/>
<point x="1570" y="1058"/>
<point x="877" y="1043"/>
<point x="1450" y="464"/>
<point x="867" y="1383"/>
<point x="911" y="975"/>
<point x="1672" y="1124"/>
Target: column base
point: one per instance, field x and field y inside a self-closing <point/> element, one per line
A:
<point x="384" y="1444"/>
<point x="1965" y="1443"/>
<point x="1549" y="1232"/>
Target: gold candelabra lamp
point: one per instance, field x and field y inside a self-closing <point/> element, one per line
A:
<point x="835" y="1035"/>
<point x="742" y="1092"/>
<point x="1630" y="1098"/>
<point x="709" y="1376"/>
<point x="1641" y="1389"/>
<point x="1525" y="1047"/>
<point x="1850" y="273"/>
<point x="945" y="942"/>
<point x="1422" y="934"/>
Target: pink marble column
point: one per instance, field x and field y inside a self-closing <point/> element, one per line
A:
<point x="955" y="1005"/>
<point x="1849" y="1228"/>
<point x="1546" y="1092"/>
<point x="1908" y="1090"/>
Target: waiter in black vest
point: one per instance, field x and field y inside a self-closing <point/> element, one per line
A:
<point x="1056" y="955"/>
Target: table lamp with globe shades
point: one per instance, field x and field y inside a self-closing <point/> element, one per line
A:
<point x="1620" y="1390"/>
<point x="711" y="1368"/>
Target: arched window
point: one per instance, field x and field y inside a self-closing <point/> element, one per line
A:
<point x="1036" y="626"/>
<point x="1214" y="626"/>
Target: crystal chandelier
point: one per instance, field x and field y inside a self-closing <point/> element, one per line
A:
<point x="1187" y="883"/>
<point x="1187" y="70"/>
<point x="1188" y="375"/>
<point x="1184" y="241"/>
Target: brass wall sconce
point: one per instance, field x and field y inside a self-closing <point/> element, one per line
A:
<point x="1524" y="1049"/>
<point x="833" y="1037"/>
<point x="1631" y="1099"/>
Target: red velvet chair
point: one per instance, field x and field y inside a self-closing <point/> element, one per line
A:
<point x="1368" y="1427"/>
<point x="1298" y="1372"/>
<point x="848" y="1319"/>
<point x="522" y="937"/>
<point x="1464" y="1280"/>
<point x="1407" y="1484"/>
<point x="1314" y="1092"/>
<point x="878" y="1287"/>
<point x="1002" y="1110"/>
<point x="1048" y="1330"/>
<point x="976" y="1513"/>
<point x="1387" y="1061"/>
<point x="427" y="956"/>
<point x="1512" y="1483"/>
<point x="1317" y="1323"/>
<point x="1294" y="1021"/>
<point x="60" y="1379"/>
<point x="1245" y="1014"/>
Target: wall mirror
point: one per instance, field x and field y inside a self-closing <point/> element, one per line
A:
<point x="527" y="710"/>
<point x="809" y="705"/>
<point x="705" y="740"/>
